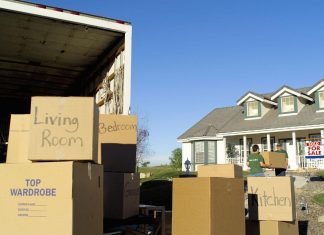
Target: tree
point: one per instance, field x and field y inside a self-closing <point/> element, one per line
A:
<point x="145" y="164"/>
<point x="231" y="151"/>
<point x="142" y="145"/>
<point x="142" y="148"/>
<point x="176" y="158"/>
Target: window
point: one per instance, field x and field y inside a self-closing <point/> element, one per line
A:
<point x="315" y="136"/>
<point x="211" y="152"/>
<point x="264" y="144"/>
<point x="252" y="109"/>
<point x="248" y="147"/>
<point x="285" y="143"/>
<point x="204" y="152"/>
<point x="199" y="152"/>
<point x="287" y="104"/>
<point x="321" y="99"/>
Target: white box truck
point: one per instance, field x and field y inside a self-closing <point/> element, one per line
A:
<point x="50" y="51"/>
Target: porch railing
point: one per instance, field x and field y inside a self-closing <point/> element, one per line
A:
<point x="310" y="163"/>
<point x="238" y="160"/>
<point x="301" y="161"/>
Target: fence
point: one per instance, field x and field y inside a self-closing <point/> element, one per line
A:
<point x="310" y="163"/>
<point x="239" y="160"/>
<point x="301" y="161"/>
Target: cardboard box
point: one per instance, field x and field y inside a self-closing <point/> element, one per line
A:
<point x="64" y="128"/>
<point x="117" y="142"/>
<point x="121" y="195"/>
<point x="208" y="206"/>
<point x="271" y="228"/>
<point x="220" y="170"/>
<point x="274" y="159"/>
<point x="18" y="142"/>
<point x="271" y="198"/>
<point x="51" y="198"/>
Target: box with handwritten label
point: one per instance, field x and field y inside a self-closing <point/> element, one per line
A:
<point x="63" y="128"/>
<point x="54" y="198"/>
<point x="271" y="198"/>
<point x="117" y="142"/>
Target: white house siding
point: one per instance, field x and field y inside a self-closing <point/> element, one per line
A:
<point x="186" y="153"/>
<point x="221" y="154"/>
<point x="265" y="108"/>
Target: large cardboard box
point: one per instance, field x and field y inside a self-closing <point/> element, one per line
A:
<point x="63" y="128"/>
<point x="274" y="159"/>
<point x="121" y="195"/>
<point x="254" y="227"/>
<point x="220" y="170"/>
<point x="208" y="206"/>
<point x="63" y="198"/>
<point x="271" y="198"/>
<point x="117" y="142"/>
<point x="18" y="142"/>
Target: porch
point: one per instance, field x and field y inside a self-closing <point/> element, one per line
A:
<point x="238" y="147"/>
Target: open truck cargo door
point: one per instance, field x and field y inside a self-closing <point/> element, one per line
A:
<point x="56" y="52"/>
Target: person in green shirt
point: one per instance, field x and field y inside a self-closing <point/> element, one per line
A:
<point x="281" y="171"/>
<point x="256" y="162"/>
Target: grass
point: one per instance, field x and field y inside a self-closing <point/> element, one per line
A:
<point x="319" y="199"/>
<point x="163" y="172"/>
<point x="320" y="173"/>
<point x="245" y="174"/>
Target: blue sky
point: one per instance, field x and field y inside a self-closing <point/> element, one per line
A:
<point x="192" y="56"/>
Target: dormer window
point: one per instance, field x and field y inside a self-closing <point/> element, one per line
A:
<point x="255" y="105"/>
<point x="321" y="100"/>
<point x="252" y="109"/>
<point x="288" y="104"/>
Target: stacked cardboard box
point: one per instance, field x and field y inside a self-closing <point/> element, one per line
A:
<point x="211" y="204"/>
<point x="44" y="187"/>
<point x="272" y="210"/>
<point x="117" y="153"/>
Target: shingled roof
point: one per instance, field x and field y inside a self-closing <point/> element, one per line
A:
<point x="231" y="119"/>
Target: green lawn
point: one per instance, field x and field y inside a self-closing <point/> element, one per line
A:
<point x="164" y="172"/>
<point x="320" y="173"/>
<point x="319" y="198"/>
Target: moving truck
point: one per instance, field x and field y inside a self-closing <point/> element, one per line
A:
<point x="50" y="51"/>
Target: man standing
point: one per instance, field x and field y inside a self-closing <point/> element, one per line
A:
<point x="256" y="162"/>
<point x="281" y="171"/>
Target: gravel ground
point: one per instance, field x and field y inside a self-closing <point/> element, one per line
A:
<point x="309" y="224"/>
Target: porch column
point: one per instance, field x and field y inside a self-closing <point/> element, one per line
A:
<point x="244" y="153"/>
<point x="223" y="159"/>
<point x="292" y="158"/>
<point x="268" y="143"/>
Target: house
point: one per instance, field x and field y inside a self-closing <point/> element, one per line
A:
<point x="287" y="116"/>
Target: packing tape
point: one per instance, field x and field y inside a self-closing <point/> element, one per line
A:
<point x="89" y="171"/>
